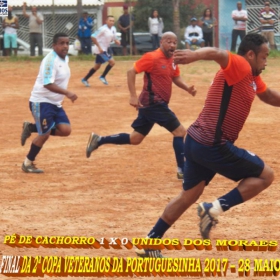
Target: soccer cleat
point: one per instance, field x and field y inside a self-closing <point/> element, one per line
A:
<point x="103" y="80"/>
<point x="92" y="143"/>
<point x="31" y="168"/>
<point x="26" y="133"/>
<point x="85" y="82"/>
<point x="148" y="253"/>
<point x="207" y="221"/>
<point x="180" y="175"/>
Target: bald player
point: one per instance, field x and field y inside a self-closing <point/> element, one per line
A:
<point x="152" y="103"/>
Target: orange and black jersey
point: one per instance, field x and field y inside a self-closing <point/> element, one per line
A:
<point x="228" y="103"/>
<point x="159" y="73"/>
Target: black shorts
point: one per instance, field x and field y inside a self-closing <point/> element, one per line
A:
<point x="157" y="113"/>
<point x="203" y="162"/>
<point x="125" y="39"/>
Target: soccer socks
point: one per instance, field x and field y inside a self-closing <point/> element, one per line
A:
<point x="159" y="229"/>
<point x="178" y="146"/>
<point x="230" y="199"/>
<point x="118" y="139"/>
<point x="34" y="151"/>
<point x="32" y="127"/>
<point x="90" y="73"/>
<point x="106" y="71"/>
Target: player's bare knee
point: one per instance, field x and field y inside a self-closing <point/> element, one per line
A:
<point x="112" y="63"/>
<point x="267" y="176"/>
<point x="135" y="141"/>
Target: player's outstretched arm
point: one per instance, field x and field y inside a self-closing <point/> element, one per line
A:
<point x="270" y="96"/>
<point x="188" y="56"/>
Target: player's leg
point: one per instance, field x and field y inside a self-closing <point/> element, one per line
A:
<point x="162" y="115"/>
<point x="111" y="62"/>
<point x="239" y="165"/>
<point x="196" y="177"/>
<point x="92" y="71"/>
<point x="141" y="128"/>
<point x="44" y="115"/>
<point x="62" y="126"/>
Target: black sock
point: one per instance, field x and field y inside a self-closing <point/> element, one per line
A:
<point x="230" y="199"/>
<point x="90" y="73"/>
<point x="118" y="139"/>
<point x="106" y="71"/>
<point x="32" y="127"/>
<point x="159" y="229"/>
<point x="33" y="152"/>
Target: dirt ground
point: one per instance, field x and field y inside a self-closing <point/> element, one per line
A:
<point x="121" y="191"/>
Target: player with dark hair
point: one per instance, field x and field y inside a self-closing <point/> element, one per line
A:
<point x="102" y="39"/>
<point x="152" y="104"/>
<point x="209" y="145"/>
<point x="46" y="99"/>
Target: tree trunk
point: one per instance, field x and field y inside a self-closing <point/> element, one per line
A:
<point x="176" y="18"/>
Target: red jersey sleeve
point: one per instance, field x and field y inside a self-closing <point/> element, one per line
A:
<point x="238" y="68"/>
<point x="145" y="63"/>
<point x="261" y="86"/>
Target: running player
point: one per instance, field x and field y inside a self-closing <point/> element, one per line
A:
<point x="102" y="39"/>
<point x="46" y="99"/>
<point x="209" y="146"/>
<point x="152" y="104"/>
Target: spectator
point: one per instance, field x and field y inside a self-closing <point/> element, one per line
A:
<point x="267" y="19"/>
<point x="156" y="26"/>
<point x="240" y="17"/>
<point x="84" y="33"/>
<point x="124" y="25"/>
<point x="208" y="23"/>
<point x="193" y="35"/>
<point x="10" y="26"/>
<point x="263" y="10"/>
<point x="35" y="29"/>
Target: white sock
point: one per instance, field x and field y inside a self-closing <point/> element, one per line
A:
<point x="179" y="170"/>
<point x="27" y="162"/>
<point x="216" y="210"/>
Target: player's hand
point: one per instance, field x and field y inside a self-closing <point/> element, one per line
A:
<point x="184" y="56"/>
<point x="71" y="96"/>
<point x="192" y="90"/>
<point x="134" y="102"/>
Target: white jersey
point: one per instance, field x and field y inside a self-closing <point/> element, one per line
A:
<point x="238" y="24"/>
<point x="104" y="36"/>
<point x="53" y="70"/>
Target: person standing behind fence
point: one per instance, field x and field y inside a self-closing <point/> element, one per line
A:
<point x="84" y="33"/>
<point x="35" y="29"/>
<point x="267" y="19"/>
<point x="208" y="22"/>
<point x="240" y="17"/>
<point x="10" y="26"/>
<point x="156" y="26"/>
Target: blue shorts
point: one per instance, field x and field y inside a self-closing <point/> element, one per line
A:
<point x="47" y="116"/>
<point x="203" y="162"/>
<point x="158" y="113"/>
<point x="102" y="58"/>
<point x="10" y="40"/>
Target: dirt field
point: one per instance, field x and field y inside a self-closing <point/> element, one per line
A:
<point x="120" y="191"/>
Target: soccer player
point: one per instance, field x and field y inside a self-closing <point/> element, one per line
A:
<point x="46" y="99"/>
<point x="102" y="39"/>
<point x="209" y="145"/>
<point x="152" y="104"/>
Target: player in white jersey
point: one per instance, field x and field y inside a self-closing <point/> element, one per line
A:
<point x="46" y="99"/>
<point x="102" y="39"/>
